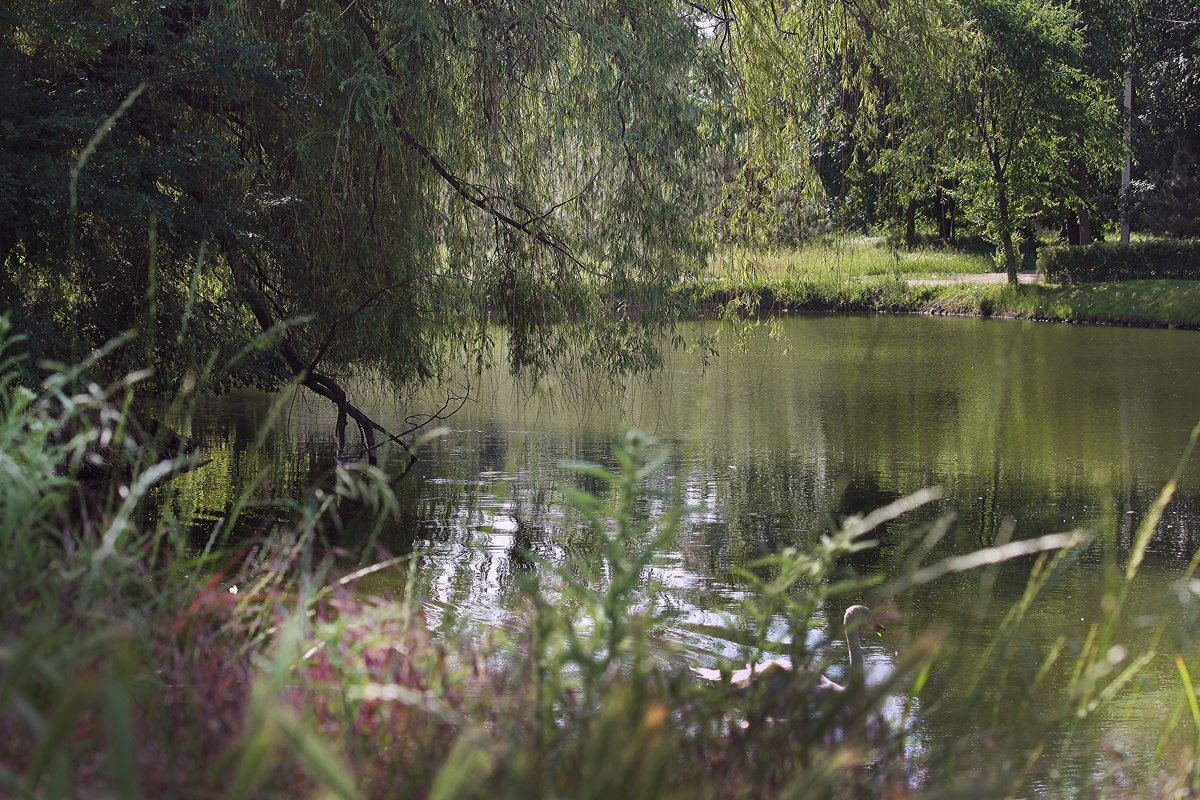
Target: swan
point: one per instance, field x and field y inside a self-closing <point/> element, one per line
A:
<point x="856" y="617"/>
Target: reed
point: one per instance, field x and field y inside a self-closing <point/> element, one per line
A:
<point x="130" y="666"/>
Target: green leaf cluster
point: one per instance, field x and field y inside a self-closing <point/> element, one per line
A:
<point x="401" y="174"/>
<point x="1105" y="261"/>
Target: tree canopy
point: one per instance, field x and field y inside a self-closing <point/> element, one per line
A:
<point x="271" y="192"/>
<point x="1165" y="59"/>
<point x="369" y="185"/>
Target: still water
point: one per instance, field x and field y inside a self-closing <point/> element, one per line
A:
<point x="1038" y="426"/>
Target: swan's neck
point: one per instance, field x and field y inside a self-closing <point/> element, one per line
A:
<point x="856" y="656"/>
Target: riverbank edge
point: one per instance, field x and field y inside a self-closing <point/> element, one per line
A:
<point x="1141" y="303"/>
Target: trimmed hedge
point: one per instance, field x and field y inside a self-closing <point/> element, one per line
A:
<point x="1176" y="259"/>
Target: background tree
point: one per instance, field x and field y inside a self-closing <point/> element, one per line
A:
<point x="1166" y="125"/>
<point x="1031" y="109"/>
<point x="815" y="83"/>
<point x="1106" y="28"/>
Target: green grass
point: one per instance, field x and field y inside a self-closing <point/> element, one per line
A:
<point x="1152" y="303"/>
<point x="846" y="257"/>
<point x="1142" y="302"/>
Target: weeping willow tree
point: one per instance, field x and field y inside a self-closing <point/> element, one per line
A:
<point x="818" y="89"/>
<point x="324" y="190"/>
<point x="357" y="188"/>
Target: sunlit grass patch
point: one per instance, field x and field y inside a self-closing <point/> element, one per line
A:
<point x="846" y="257"/>
<point x="934" y="263"/>
<point x="1156" y="302"/>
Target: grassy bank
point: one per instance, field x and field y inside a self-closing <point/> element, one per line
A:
<point x="845" y="257"/>
<point x="867" y="274"/>
<point x="1147" y="303"/>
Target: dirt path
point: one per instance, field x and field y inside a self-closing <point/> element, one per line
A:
<point x="986" y="277"/>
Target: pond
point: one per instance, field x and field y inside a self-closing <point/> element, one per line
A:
<point x="1033" y="428"/>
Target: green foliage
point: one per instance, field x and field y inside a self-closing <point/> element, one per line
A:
<point x="1104" y="261"/>
<point x="1172" y="208"/>
<point x="397" y="175"/>
<point x="124" y="654"/>
<point x="114" y="184"/>
<point x="1166" y="107"/>
<point x="818" y="85"/>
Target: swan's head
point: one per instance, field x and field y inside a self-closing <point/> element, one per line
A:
<point x="858" y="617"/>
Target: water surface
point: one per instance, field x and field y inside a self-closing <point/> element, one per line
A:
<point x="1040" y="427"/>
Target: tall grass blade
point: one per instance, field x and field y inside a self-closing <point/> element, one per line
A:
<point x="318" y="761"/>
<point x="1190" y="693"/>
<point x="1150" y="523"/>
<point x="119" y="724"/>
<point x="464" y="770"/>
<point x="985" y="557"/>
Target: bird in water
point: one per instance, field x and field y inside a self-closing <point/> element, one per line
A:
<point x="856" y="618"/>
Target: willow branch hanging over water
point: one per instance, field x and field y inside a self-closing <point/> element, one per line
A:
<point x="402" y="175"/>
<point x="399" y="174"/>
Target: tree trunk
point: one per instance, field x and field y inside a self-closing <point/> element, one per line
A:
<point x="910" y="224"/>
<point x="1006" y="233"/>
<point x="940" y="211"/>
<point x="952" y="221"/>
<point x="945" y="212"/>
<point x="1081" y="191"/>
<point x="1127" y="167"/>
<point x="1010" y="258"/>
<point x="322" y="384"/>
<point x="1028" y="249"/>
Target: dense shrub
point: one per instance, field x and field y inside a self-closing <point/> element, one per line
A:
<point x="1177" y="259"/>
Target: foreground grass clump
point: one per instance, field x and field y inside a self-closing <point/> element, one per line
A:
<point x="133" y="665"/>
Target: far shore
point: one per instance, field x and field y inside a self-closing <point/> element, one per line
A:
<point x="983" y="277"/>
<point x="1140" y="303"/>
